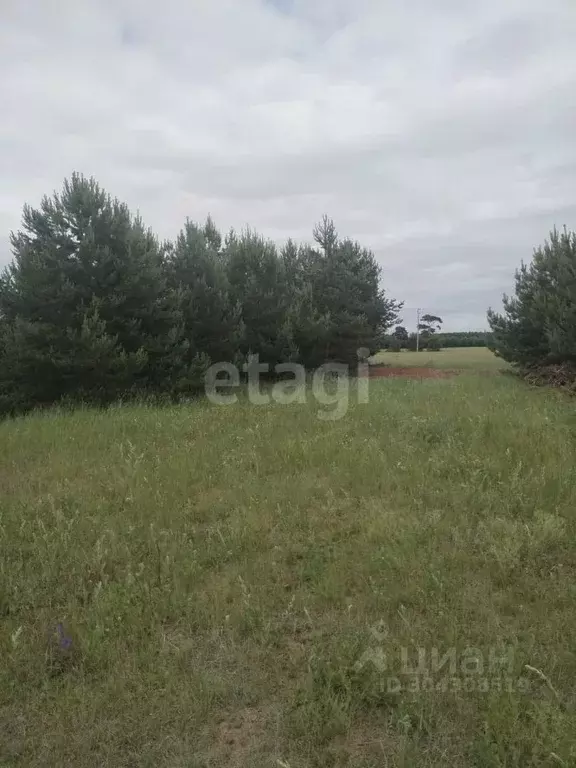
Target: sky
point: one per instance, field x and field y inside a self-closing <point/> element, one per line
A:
<point x="439" y="134"/>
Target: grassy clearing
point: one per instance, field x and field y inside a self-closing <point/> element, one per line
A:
<point x="465" y="358"/>
<point x="229" y="578"/>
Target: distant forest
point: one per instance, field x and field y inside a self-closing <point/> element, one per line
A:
<point x="466" y="339"/>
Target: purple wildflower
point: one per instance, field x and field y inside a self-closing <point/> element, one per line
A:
<point x="64" y="640"/>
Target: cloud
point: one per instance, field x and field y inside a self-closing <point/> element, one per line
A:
<point x="440" y="134"/>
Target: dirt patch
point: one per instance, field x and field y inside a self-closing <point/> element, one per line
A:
<point x="241" y="736"/>
<point x="415" y="372"/>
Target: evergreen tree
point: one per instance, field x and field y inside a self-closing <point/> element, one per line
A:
<point x="344" y="279"/>
<point x="212" y="235"/>
<point x="210" y="319"/>
<point x="291" y="263"/>
<point x="258" y="283"/>
<point x="85" y="307"/>
<point x="538" y="327"/>
<point x="310" y="328"/>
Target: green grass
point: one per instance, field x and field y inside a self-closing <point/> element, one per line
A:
<point x="460" y="358"/>
<point x="222" y="573"/>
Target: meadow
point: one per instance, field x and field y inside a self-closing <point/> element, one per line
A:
<point x="464" y="358"/>
<point x="251" y="586"/>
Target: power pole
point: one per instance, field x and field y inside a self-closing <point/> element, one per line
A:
<point x="418" y="329"/>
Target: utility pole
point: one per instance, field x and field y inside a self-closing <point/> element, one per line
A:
<point x="418" y="329"/>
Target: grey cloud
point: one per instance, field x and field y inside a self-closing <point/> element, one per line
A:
<point x="440" y="134"/>
<point x="512" y="44"/>
<point x="468" y="271"/>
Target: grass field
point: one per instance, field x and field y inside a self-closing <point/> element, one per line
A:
<point x="251" y="586"/>
<point x="474" y="358"/>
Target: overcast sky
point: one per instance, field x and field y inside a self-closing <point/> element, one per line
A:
<point x="441" y="134"/>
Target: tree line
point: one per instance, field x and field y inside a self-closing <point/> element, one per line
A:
<point x="465" y="339"/>
<point x="94" y="307"/>
<point x="433" y="338"/>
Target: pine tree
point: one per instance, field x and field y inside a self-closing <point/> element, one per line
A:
<point x="309" y="327"/>
<point x="344" y="279"/>
<point x="85" y="307"/>
<point x="258" y="283"/>
<point x="197" y="276"/>
<point x="538" y="327"/>
<point x="212" y="235"/>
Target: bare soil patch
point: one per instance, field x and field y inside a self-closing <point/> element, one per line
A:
<point x="415" y="372"/>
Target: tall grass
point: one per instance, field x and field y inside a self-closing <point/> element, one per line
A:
<point x="218" y="586"/>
